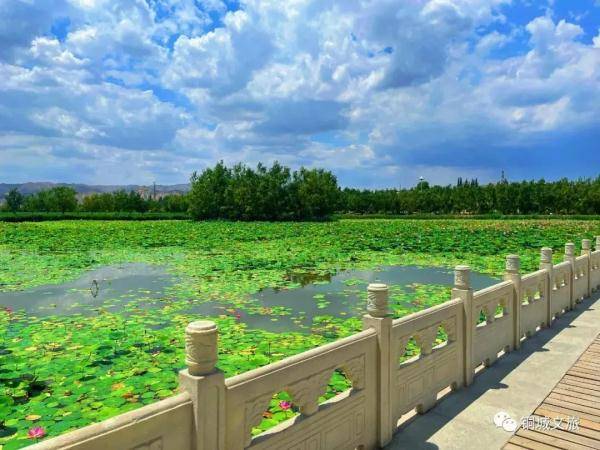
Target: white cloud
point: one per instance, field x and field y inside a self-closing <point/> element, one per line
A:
<point x="316" y="82"/>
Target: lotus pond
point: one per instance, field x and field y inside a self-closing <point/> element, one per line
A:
<point x="92" y="313"/>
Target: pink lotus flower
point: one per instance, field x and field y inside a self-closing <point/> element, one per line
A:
<point x="285" y="405"/>
<point x="36" y="433"/>
<point x="238" y="316"/>
<point x="8" y="310"/>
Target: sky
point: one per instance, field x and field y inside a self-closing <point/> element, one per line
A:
<point x="380" y="92"/>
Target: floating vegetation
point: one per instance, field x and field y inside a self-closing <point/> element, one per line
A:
<point x="65" y="365"/>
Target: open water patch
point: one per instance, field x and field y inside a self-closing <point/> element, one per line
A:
<point x="110" y="288"/>
<point x="313" y="307"/>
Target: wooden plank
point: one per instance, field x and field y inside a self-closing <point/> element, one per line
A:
<point x="585" y="370"/>
<point x="528" y="443"/>
<point x="571" y="412"/>
<point x="580" y="379"/>
<point x="551" y="440"/>
<point x="593" y="405"/>
<point x="587" y="376"/>
<point x="589" y="359"/>
<point x="553" y="413"/>
<point x="570" y="437"/>
<point x="572" y="393"/>
<point x="583" y="365"/>
<point x="580" y="383"/>
<point x="588" y="365"/>
<point x="558" y="421"/>
<point x="574" y="406"/>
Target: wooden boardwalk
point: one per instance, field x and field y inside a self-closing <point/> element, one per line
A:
<point x="569" y="417"/>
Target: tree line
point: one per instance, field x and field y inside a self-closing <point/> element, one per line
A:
<point x="241" y="192"/>
<point x="469" y="197"/>
<point x="275" y="193"/>
<point x="64" y="199"/>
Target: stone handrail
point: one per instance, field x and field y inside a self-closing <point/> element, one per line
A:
<point x="595" y="268"/>
<point x="214" y="413"/>
<point x="496" y="333"/>
<point x="164" y="425"/>
<point x="562" y="294"/>
<point x="534" y="302"/>
<point x="305" y="378"/>
<point x="443" y="362"/>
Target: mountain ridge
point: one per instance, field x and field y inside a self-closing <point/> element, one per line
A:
<point x="33" y="187"/>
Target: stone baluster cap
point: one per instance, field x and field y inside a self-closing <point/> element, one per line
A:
<point x="513" y="263"/>
<point x="201" y="347"/>
<point x="546" y="255"/>
<point x="377" y="299"/>
<point x="462" y="277"/>
<point x="586" y="244"/>
<point x="570" y="249"/>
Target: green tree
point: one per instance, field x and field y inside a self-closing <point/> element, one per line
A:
<point x="208" y="192"/>
<point x="316" y="193"/>
<point x="63" y="199"/>
<point x="14" y="200"/>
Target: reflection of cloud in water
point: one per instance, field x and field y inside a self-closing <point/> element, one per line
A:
<point x="110" y="284"/>
<point x="342" y="295"/>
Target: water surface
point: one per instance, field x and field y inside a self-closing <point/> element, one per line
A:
<point x="306" y="308"/>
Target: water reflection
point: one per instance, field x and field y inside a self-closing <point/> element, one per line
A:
<point x="308" y="308"/>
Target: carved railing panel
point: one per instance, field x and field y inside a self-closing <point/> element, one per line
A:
<point x="580" y="280"/>
<point x="534" y="302"/>
<point x="595" y="270"/>
<point x="418" y="380"/>
<point x="496" y="333"/>
<point x="305" y="378"/>
<point x="561" y="285"/>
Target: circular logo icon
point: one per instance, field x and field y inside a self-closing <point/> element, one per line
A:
<point x="500" y="417"/>
<point x="510" y="425"/>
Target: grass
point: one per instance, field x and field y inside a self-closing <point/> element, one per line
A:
<point x="64" y="372"/>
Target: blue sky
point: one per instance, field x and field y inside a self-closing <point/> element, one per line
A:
<point x="380" y="92"/>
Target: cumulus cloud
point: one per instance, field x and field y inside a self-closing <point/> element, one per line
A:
<point x="439" y="88"/>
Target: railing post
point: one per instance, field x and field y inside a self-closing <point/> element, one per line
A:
<point x="378" y="317"/>
<point x="205" y="384"/>
<point x="513" y="267"/>
<point x="586" y="249"/>
<point x="570" y="256"/>
<point x="548" y="266"/>
<point x="462" y="289"/>
<point x="597" y="243"/>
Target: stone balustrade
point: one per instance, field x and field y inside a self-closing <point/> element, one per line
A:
<point x="453" y="339"/>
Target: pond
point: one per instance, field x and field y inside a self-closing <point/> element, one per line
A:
<point x="307" y="308"/>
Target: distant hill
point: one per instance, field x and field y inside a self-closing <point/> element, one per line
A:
<point x="33" y="187"/>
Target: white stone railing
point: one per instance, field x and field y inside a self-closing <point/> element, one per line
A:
<point x="444" y="362"/>
<point x="561" y="288"/>
<point x="534" y="302"/>
<point x="214" y="413"/>
<point x="346" y="421"/>
<point x="595" y="268"/>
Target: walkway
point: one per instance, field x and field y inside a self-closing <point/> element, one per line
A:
<point x="569" y="418"/>
<point x="516" y="384"/>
